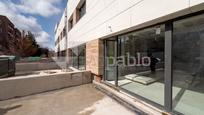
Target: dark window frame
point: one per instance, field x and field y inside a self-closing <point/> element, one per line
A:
<point x="82" y="10"/>
<point x="64" y="31"/>
<point x="77" y="66"/>
<point x="71" y="23"/>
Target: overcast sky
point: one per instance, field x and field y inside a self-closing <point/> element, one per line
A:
<point x="37" y="16"/>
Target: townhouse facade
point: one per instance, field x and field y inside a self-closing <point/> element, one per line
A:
<point x="152" y="50"/>
<point x="61" y="36"/>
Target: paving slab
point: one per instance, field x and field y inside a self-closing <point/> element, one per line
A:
<point x="80" y="100"/>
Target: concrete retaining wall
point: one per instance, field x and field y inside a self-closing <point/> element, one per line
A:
<point x="22" y="86"/>
<point x="36" y="66"/>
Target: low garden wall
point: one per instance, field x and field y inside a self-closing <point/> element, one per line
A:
<point x="36" y="66"/>
<point x="24" y="86"/>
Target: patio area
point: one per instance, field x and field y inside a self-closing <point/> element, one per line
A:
<point x="80" y="100"/>
<point x="188" y="95"/>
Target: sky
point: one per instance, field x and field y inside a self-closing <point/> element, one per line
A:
<point x="37" y="16"/>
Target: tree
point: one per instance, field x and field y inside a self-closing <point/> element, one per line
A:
<point x="25" y="46"/>
<point x="44" y="52"/>
<point x="28" y="45"/>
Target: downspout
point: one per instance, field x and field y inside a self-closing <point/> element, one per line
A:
<point x="66" y="40"/>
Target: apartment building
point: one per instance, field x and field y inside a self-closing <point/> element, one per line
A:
<point x="8" y="34"/>
<point x="152" y="50"/>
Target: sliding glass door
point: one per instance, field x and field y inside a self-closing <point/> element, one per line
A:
<point x="162" y="64"/>
<point x="142" y="70"/>
<point x="110" y="61"/>
<point x="188" y="66"/>
<point x="135" y="63"/>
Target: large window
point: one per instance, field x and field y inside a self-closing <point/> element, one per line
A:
<point x="82" y="10"/>
<point x="71" y="23"/>
<point x="82" y="57"/>
<point x="77" y="14"/>
<point x="142" y="69"/>
<point x="78" y="57"/>
<point x="188" y="66"/>
<point x="135" y="62"/>
<point x="64" y="32"/>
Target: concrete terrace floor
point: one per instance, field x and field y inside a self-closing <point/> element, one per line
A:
<point x="80" y="100"/>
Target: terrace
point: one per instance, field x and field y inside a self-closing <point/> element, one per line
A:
<point x="42" y="87"/>
<point x="79" y="100"/>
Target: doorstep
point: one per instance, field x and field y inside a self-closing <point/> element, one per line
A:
<point x="129" y="101"/>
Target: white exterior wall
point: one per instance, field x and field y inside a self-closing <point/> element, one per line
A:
<point x="119" y="15"/>
<point x="63" y="44"/>
<point x="56" y="48"/>
<point x="58" y="30"/>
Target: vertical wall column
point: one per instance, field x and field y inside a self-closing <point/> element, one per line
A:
<point x="94" y="58"/>
<point x="168" y="66"/>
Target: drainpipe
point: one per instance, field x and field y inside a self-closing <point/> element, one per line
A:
<point x="66" y="40"/>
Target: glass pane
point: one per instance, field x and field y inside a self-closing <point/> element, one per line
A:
<point x="78" y="57"/>
<point x="75" y="57"/>
<point x="110" y="61"/>
<point x="188" y="66"/>
<point x="82" y="57"/>
<point x="141" y="63"/>
<point x="82" y="10"/>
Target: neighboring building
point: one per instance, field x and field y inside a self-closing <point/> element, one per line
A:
<point x="153" y="50"/>
<point x="61" y="36"/>
<point x="8" y="35"/>
<point x="17" y="33"/>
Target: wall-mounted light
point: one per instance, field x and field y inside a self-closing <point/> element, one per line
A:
<point x="110" y="28"/>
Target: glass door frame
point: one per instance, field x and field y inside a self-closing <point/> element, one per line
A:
<point x="105" y="62"/>
<point x="167" y="85"/>
<point x="168" y="67"/>
<point x="168" y="74"/>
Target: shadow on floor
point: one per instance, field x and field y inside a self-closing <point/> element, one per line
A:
<point x="5" y="110"/>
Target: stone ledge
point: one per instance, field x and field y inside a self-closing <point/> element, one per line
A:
<point x="130" y="102"/>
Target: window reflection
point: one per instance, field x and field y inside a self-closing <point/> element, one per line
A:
<point x="188" y="66"/>
<point x="78" y="57"/>
<point x="143" y="72"/>
<point x="111" y="68"/>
